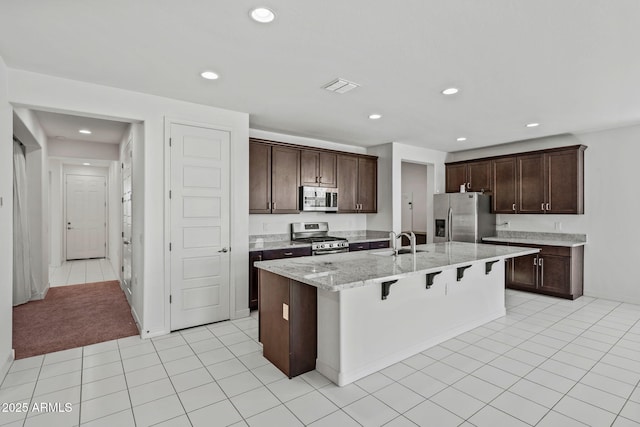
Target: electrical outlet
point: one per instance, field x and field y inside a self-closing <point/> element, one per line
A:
<point x="285" y="311"/>
<point x="508" y="224"/>
<point x="558" y="226"/>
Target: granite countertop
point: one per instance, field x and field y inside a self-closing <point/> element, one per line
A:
<point x="539" y="238"/>
<point x="263" y="244"/>
<point x="354" y="269"/>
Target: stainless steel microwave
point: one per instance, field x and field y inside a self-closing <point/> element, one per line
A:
<point x="319" y="199"/>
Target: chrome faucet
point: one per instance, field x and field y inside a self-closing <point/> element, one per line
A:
<point x="392" y="240"/>
<point x="412" y="241"/>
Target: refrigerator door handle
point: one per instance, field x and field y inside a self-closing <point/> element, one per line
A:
<point x="450" y="219"/>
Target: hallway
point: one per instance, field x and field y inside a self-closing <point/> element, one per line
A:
<point x="81" y="271"/>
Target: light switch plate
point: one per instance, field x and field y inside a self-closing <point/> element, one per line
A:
<point x="285" y="311"/>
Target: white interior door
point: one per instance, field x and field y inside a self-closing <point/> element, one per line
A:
<point x="86" y="222"/>
<point x="199" y="226"/>
<point x="127" y="241"/>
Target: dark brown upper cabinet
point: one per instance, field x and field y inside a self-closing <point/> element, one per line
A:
<point x="357" y="184"/>
<point x="504" y="185"/>
<point x="285" y="180"/>
<point x="277" y="170"/>
<point x="259" y="178"/>
<point x="456" y="176"/>
<point x="530" y="184"/>
<point x="474" y="175"/>
<point x="318" y="169"/>
<point x="564" y="174"/>
<point x="539" y="182"/>
<point x="274" y="178"/>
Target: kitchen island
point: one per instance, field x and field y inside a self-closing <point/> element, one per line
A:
<point x="349" y="315"/>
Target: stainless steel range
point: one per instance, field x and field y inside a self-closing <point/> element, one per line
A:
<point x="317" y="233"/>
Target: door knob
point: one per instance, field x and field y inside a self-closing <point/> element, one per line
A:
<point x="224" y="250"/>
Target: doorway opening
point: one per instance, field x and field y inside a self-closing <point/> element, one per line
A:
<point x="414" y="201"/>
<point x="77" y="235"/>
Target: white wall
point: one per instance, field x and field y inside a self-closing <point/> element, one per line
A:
<point x="27" y="128"/>
<point x="6" y="224"/>
<point x="115" y="219"/>
<point x="280" y="224"/>
<point x="83" y="150"/>
<point x="611" y="208"/>
<point x="61" y="95"/>
<point x="434" y="160"/>
<point x="414" y="190"/>
<point x="383" y="219"/>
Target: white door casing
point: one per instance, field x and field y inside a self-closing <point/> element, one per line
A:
<point x="200" y="225"/>
<point x="127" y="241"/>
<point x="86" y="219"/>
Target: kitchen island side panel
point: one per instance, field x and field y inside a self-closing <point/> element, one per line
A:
<point x="359" y="333"/>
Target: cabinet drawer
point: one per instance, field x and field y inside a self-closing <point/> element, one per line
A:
<point x="379" y="244"/>
<point x="555" y="250"/>
<point x="286" y="253"/>
<point x="358" y="246"/>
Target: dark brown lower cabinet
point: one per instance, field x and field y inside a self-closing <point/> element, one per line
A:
<point x="288" y="323"/>
<point x="556" y="271"/>
<point x="269" y="255"/>
<point x="354" y="247"/>
<point x="253" y="279"/>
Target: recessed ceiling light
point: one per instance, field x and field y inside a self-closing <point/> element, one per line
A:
<point x="375" y="116"/>
<point x="462" y="138"/>
<point x="532" y="125"/>
<point x="86" y="164"/>
<point x="209" y="75"/>
<point x="450" y="91"/>
<point x="85" y="131"/>
<point x="262" y="15"/>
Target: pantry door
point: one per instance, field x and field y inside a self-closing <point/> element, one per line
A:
<point x="86" y="216"/>
<point x="200" y="221"/>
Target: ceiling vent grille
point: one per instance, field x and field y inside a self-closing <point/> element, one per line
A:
<point x="340" y="86"/>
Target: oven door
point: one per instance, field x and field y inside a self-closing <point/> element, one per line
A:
<point x="329" y="252"/>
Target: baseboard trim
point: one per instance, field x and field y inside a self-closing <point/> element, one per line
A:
<point x="241" y="313"/>
<point x="4" y="367"/>
<point x="624" y="299"/>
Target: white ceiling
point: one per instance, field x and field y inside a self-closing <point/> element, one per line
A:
<point x="66" y="127"/>
<point x="572" y="65"/>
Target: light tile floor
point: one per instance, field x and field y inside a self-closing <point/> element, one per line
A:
<point x="81" y="271"/>
<point x="549" y="362"/>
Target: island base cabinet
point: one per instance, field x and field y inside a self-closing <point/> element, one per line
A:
<point x="555" y="271"/>
<point x="288" y="323"/>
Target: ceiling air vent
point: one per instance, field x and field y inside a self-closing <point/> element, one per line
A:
<point x="340" y="86"/>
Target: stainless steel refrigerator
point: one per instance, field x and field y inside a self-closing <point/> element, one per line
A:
<point x="463" y="217"/>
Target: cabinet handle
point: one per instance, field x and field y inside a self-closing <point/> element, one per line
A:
<point x="288" y="253"/>
<point x="541" y="272"/>
<point x="259" y="257"/>
<point x="320" y="179"/>
<point x="468" y="186"/>
<point x="548" y="206"/>
<point x="514" y="207"/>
<point x="269" y="205"/>
<point x="360" y="247"/>
<point x="274" y="206"/>
<point x="542" y="207"/>
<point x="535" y="262"/>
<point x="316" y="179"/>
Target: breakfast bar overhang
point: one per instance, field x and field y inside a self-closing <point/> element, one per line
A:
<point x="350" y="315"/>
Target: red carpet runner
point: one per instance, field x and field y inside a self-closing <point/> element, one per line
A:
<point x="72" y="316"/>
